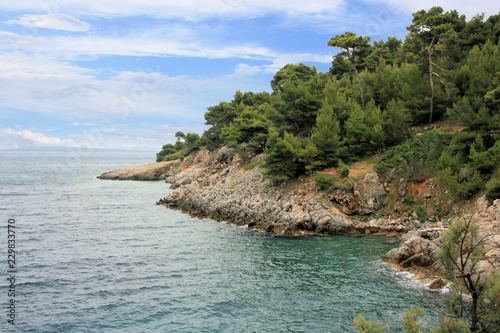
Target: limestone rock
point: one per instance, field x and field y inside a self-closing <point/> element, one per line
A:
<point x="437" y="284"/>
<point x="415" y="251"/>
<point x="213" y="185"/>
<point x="365" y="198"/>
<point x="150" y="171"/>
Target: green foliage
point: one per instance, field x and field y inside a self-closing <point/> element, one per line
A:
<point x="192" y="142"/>
<point x="178" y="155"/>
<point x="413" y="89"/>
<point x="249" y="127"/>
<point x="463" y="235"/>
<point x="292" y="75"/>
<point x="493" y="189"/>
<point x="412" y="320"/>
<point x="415" y="158"/>
<point x="364" y="133"/>
<point x="464" y="112"/>
<point x="490" y="306"/>
<point x="469" y="161"/>
<point x="326" y="138"/>
<point x="368" y="100"/>
<point x="185" y="145"/>
<point x="462" y="248"/>
<point x="297" y="97"/>
<point x="218" y="117"/>
<point x="282" y="156"/>
<point x="355" y="49"/>
<point x="323" y="180"/>
<point x="368" y="326"/>
<point x="340" y="66"/>
<point x="343" y="169"/>
<point x="434" y="42"/>
<point x="465" y="182"/>
<point x="451" y="325"/>
<point x="167" y="149"/>
<point x="395" y="123"/>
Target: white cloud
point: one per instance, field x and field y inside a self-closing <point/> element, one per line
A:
<point x="53" y="21"/>
<point x="63" y="90"/>
<point x="279" y="62"/>
<point x="145" y="137"/>
<point x="146" y="43"/>
<point x="467" y="7"/>
<point x="186" y="9"/>
<point x="10" y="138"/>
<point x="19" y="65"/>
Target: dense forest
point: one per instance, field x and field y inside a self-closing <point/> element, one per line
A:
<point x="427" y="106"/>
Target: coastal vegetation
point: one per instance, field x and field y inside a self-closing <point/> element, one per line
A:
<point x="473" y="303"/>
<point x="425" y="108"/>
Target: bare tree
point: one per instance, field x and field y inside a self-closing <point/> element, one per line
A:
<point x="475" y="292"/>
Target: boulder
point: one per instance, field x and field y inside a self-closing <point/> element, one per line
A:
<point x="437" y="284"/>
<point x="415" y="251"/>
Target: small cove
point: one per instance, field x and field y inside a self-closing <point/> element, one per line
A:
<point x="100" y="256"/>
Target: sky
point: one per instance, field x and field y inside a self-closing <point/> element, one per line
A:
<point x="131" y="73"/>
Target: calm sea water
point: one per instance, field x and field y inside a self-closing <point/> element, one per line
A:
<point x="100" y="256"/>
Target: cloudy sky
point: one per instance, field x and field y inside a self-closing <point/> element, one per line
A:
<point x="130" y="73"/>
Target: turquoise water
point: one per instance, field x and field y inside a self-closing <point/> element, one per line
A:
<point x="100" y="256"/>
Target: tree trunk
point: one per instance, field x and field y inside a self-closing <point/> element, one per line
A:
<point x="430" y="51"/>
<point x="475" y="297"/>
<point x="359" y="86"/>
<point x="473" y="326"/>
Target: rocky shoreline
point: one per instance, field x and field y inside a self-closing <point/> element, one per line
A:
<point x="216" y="185"/>
<point x="146" y="172"/>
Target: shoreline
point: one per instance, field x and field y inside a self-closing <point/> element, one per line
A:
<point x="215" y="185"/>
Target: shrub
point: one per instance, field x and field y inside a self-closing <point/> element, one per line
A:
<point x="493" y="190"/>
<point x="343" y="169"/>
<point x="323" y="180"/>
<point x="368" y="326"/>
<point x="415" y="158"/>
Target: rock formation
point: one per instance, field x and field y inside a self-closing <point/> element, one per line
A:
<point x="150" y="171"/>
<point x="214" y="185"/>
<point x="365" y="198"/>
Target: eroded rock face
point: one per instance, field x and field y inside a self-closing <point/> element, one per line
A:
<point x="213" y="185"/>
<point x="489" y="223"/>
<point x="387" y="225"/>
<point x="365" y="198"/>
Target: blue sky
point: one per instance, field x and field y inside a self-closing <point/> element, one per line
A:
<point x="129" y="73"/>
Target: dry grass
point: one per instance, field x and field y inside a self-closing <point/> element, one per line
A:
<point x="441" y="126"/>
<point x="361" y="168"/>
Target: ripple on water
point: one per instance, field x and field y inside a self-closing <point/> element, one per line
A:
<point x="100" y="256"/>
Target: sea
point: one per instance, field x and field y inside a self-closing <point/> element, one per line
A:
<point x="79" y="254"/>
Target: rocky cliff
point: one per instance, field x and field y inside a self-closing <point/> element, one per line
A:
<point x="216" y="185"/>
